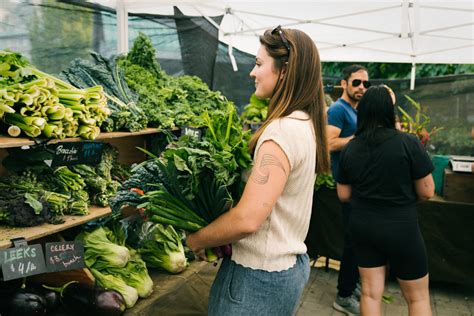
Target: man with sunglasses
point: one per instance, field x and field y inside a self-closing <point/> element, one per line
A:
<point x="342" y="124"/>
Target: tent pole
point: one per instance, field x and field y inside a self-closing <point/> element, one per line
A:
<point x="412" y="77"/>
<point x="122" y="27"/>
<point x="414" y="38"/>
<point x="232" y="58"/>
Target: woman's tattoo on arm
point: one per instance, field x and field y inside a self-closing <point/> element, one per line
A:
<point x="262" y="173"/>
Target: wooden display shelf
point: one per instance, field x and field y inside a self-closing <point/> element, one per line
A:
<point x="9" y="142"/>
<point x="35" y="232"/>
<point x="184" y="294"/>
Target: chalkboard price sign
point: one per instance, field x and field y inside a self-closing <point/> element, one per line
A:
<point x="73" y="153"/>
<point x="19" y="262"/>
<point x="65" y="255"/>
<point x="192" y="132"/>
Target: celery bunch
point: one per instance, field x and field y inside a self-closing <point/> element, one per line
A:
<point x="42" y="105"/>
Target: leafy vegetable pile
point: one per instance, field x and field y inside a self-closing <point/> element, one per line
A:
<point x="120" y="99"/>
<point x="39" y="104"/>
<point x="193" y="181"/>
<point x="168" y="101"/>
<point x="255" y="111"/>
<point x="21" y="208"/>
<point x="114" y="265"/>
<point x="33" y="193"/>
<point x="203" y="174"/>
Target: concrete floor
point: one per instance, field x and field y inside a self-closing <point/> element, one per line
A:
<point x="186" y="294"/>
<point x="446" y="299"/>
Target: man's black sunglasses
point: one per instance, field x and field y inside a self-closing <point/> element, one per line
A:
<point x="282" y="36"/>
<point x="357" y="82"/>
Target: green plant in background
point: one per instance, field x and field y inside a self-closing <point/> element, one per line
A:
<point x="454" y="139"/>
<point x="256" y="111"/>
<point x="324" y="180"/>
<point x="417" y="124"/>
<point x="399" y="70"/>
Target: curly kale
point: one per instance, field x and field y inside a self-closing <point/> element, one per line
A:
<point x="144" y="54"/>
<point x="124" y="198"/>
<point x="144" y="177"/>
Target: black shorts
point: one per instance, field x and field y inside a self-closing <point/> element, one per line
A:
<point x="381" y="241"/>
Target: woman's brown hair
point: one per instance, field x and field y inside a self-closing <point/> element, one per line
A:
<point x="300" y="88"/>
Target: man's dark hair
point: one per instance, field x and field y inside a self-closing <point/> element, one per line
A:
<point x="349" y="70"/>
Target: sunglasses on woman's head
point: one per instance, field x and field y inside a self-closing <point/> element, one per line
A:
<point x="357" y="82"/>
<point x="282" y="36"/>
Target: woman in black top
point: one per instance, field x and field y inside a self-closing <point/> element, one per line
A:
<point x="383" y="172"/>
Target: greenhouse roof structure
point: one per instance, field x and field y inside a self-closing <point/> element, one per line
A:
<point x="401" y="31"/>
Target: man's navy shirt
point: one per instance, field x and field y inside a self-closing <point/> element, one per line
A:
<point x="341" y="115"/>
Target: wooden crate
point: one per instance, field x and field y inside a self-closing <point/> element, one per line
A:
<point x="458" y="186"/>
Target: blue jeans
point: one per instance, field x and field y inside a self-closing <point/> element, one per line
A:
<point x="238" y="290"/>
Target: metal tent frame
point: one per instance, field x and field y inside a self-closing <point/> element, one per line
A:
<point x="402" y="31"/>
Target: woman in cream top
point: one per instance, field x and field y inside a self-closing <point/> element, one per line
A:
<point x="269" y="266"/>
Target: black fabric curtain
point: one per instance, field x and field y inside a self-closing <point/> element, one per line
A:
<point x="198" y="40"/>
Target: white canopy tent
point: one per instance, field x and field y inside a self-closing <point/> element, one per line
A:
<point x="402" y="31"/>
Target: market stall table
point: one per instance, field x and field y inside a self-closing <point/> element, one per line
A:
<point x="180" y="294"/>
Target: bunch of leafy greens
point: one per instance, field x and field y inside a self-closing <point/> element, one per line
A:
<point x="168" y="102"/>
<point x="19" y="208"/>
<point x="13" y="69"/>
<point x="120" y="99"/>
<point x="255" y="111"/>
<point x="161" y="247"/>
<point x="115" y="266"/>
<point x="134" y="274"/>
<point x="100" y="252"/>
<point x="198" y="177"/>
<point x="324" y="180"/>
<point x="110" y="281"/>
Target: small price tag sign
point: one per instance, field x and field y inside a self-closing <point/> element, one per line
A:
<point x="19" y="262"/>
<point x="73" y="153"/>
<point x="192" y="132"/>
<point x="64" y="255"/>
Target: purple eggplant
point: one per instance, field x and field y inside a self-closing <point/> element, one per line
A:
<point x="25" y="303"/>
<point x="110" y="302"/>
<point x="84" y="298"/>
<point x="218" y="252"/>
<point x="51" y="298"/>
<point x="227" y="250"/>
